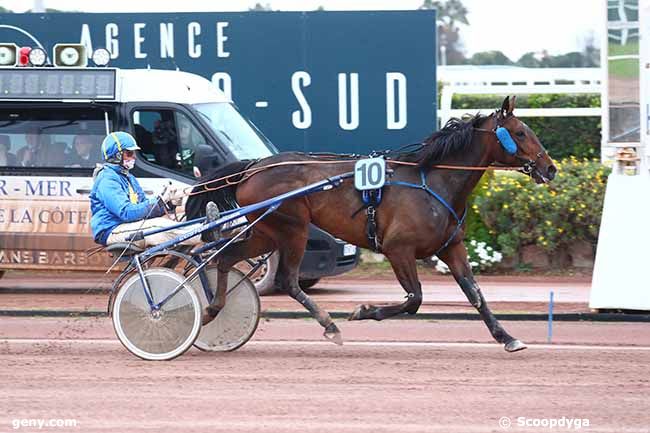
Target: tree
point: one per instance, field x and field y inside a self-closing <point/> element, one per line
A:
<point x="449" y="13"/>
<point x="50" y="10"/>
<point x="529" y="60"/>
<point x="490" y="58"/>
<point x="568" y="60"/>
<point x="4" y="10"/>
<point x="261" y="8"/>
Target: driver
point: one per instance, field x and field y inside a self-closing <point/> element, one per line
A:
<point x="119" y="206"/>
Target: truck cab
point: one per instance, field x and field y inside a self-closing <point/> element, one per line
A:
<point x="52" y="122"/>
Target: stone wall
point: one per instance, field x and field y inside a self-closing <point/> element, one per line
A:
<point x="580" y="255"/>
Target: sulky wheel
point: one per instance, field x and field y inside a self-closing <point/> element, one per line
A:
<point x="237" y="321"/>
<point x="157" y="334"/>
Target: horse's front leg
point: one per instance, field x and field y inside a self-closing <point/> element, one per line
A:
<point x="455" y="256"/>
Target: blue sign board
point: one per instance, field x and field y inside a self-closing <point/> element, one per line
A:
<point x="311" y="81"/>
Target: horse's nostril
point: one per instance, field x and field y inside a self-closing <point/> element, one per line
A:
<point x="551" y="172"/>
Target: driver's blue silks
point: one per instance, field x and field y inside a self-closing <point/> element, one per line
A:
<point x="508" y="144"/>
<point x="117" y="198"/>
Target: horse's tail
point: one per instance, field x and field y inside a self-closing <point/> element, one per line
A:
<point x="223" y="197"/>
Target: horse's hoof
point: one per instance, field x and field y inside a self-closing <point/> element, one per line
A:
<point x="333" y="334"/>
<point x="205" y="319"/>
<point x="208" y="316"/>
<point x="514" y="346"/>
<point x="357" y="314"/>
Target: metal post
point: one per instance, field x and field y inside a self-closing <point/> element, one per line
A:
<point x="550" y="318"/>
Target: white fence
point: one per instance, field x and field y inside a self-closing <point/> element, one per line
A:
<point x="505" y="80"/>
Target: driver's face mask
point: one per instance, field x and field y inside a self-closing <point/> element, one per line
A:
<point x="128" y="159"/>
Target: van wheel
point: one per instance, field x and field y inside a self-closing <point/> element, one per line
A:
<point x="306" y="284"/>
<point x="264" y="278"/>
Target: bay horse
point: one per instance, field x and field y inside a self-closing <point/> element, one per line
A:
<point x="411" y="222"/>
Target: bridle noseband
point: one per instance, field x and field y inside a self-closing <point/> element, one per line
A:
<point x="528" y="165"/>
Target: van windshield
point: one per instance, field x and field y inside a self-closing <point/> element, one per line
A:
<point x="243" y="139"/>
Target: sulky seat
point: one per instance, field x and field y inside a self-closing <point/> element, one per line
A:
<point x="125" y="249"/>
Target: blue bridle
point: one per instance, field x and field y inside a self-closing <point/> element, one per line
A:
<point x="504" y="137"/>
<point x="510" y="146"/>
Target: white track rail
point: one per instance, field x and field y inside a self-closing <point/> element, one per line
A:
<point x="474" y="80"/>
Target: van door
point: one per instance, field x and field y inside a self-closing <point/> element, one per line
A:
<point x="47" y="156"/>
<point x="169" y="139"/>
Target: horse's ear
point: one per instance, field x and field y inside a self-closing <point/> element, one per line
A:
<point x="508" y="106"/>
<point x="511" y="105"/>
<point x="504" y="107"/>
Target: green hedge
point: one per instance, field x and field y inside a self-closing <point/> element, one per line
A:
<point x="475" y="228"/>
<point x="518" y="212"/>
<point x="562" y="136"/>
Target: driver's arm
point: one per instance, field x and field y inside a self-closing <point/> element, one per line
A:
<point x="116" y="200"/>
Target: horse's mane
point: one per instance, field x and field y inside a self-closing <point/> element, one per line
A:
<point x="455" y="137"/>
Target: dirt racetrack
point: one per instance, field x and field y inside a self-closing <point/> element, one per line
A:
<point x="394" y="376"/>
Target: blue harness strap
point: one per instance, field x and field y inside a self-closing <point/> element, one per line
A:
<point x="425" y="187"/>
<point x="371" y="199"/>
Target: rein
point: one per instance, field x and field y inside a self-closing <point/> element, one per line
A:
<point x="248" y="173"/>
<point x="527" y="167"/>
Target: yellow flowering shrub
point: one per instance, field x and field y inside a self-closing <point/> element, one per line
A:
<point x="519" y="212"/>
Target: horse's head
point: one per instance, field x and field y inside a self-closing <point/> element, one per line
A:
<point x="519" y="146"/>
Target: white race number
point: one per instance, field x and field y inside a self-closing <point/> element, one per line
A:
<point x="369" y="173"/>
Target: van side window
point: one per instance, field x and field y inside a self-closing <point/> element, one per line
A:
<point x="167" y="138"/>
<point x="50" y="138"/>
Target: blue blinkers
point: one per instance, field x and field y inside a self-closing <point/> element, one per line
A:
<point x="506" y="140"/>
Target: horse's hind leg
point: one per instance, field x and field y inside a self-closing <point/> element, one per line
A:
<point x="455" y="256"/>
<point x="404" y="266"/>
<point x="256" y="245"/>
<point x="291" y="252"/>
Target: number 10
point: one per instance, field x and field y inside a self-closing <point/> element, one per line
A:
<point x="370" y="174"/>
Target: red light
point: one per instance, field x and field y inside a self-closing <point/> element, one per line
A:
<point x="23" y="56"/>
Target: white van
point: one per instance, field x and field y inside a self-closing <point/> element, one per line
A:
<point x="52" y="121"/>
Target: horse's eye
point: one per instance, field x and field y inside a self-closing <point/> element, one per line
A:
<point x="520" y="134"/>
